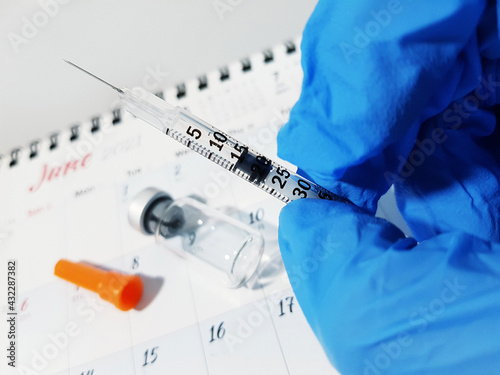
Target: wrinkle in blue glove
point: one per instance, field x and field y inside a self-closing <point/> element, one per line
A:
<point x="417" y="107"/>
<point x="451" y="182"/>
<point x="411" y="70"/>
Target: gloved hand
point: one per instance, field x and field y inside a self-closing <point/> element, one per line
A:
<point x="410" y="102"/>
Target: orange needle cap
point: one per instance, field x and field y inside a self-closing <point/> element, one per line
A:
<point x="123" y="291"/>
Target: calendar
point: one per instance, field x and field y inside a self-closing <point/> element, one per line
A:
<point x="68" y="197"/>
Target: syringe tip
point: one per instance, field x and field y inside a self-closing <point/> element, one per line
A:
<point x="96" y="77"/>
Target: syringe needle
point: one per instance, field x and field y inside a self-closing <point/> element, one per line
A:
<point x="93" y="75"/>
<point x="219" y="147"/>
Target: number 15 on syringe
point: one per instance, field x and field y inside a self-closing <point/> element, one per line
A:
<point x="219" y="147"/>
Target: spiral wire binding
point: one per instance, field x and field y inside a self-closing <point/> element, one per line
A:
<point x="224" y="73"/>
<point x="34" y="149"/>
<point x="14" y="157"/>
<point x="181" y="91"/>
<point x="268" y="56"/>
<point x="117" y="116"/>
<point x="290" y="47"/>
<point x="96" y="124"/>
<point x="75" y="133"/>
<point x="202" y="82"/>
<point x="53" y="141"/>
<point x="246" y="65"/>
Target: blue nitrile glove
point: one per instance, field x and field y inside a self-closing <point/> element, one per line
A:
<point x="378" y="302"/>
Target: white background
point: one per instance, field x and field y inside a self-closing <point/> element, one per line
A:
<point x="122" y="41"/>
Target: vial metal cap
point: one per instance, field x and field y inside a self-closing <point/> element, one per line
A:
<point x="141" y="206"/>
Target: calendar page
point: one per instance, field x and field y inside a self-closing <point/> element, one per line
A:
<point x="70" y="200"/>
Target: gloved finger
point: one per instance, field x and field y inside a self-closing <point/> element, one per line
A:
<point x="380" y="304"/>
<point x="360" y="110"/>
<point x="451" y="180"/>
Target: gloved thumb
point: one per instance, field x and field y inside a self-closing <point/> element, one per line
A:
<point x="316" y="234"/>
<point x="380" y="303"/>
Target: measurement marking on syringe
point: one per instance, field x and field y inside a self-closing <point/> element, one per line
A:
<point x="220" y="160"/>
<point x="250" y="166"/>
<point x="217" y="159"/>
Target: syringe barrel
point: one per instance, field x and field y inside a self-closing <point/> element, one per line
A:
<point x="148" y="107"/>
<point x="221" y="148"/>
<point x="241" y="160"/>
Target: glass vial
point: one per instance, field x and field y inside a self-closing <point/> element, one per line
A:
<point x="200" y="234"/>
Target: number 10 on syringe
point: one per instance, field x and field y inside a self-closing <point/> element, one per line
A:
<point x="219" y="147"/>
<point x="241" y="160"/>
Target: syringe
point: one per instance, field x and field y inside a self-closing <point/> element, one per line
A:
<point x="219" y="147"/>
